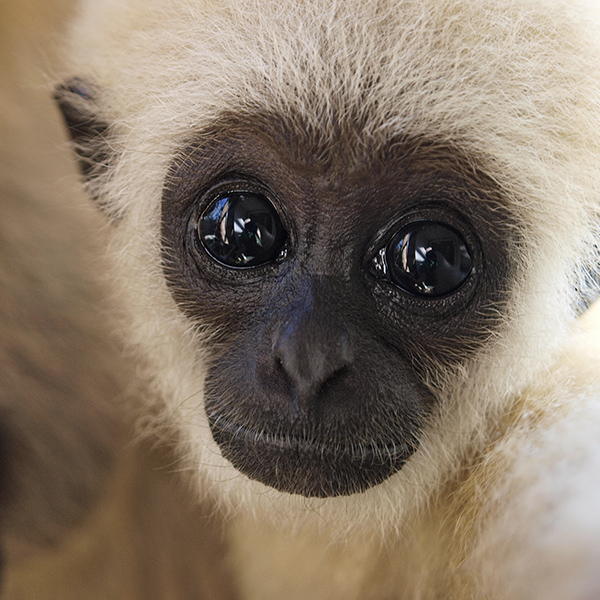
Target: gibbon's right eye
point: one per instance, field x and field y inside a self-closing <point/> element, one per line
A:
<point x="241" y="229"/>
<point x="429" y="259"/>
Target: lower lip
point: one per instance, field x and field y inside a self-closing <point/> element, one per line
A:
<point x="307" y="467"/>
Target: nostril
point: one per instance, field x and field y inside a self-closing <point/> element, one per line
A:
<point x="331" y="380"/>
<point x="311" y="363"/>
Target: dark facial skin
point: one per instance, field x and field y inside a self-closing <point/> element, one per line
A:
<point x="316" y="383"/>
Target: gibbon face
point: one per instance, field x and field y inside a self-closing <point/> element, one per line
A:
<point x="331" y="221"/>
<point x="333" y="285"/>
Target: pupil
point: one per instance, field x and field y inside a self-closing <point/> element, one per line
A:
<point x="429" y="259"/>
<point x="242" y="229"/>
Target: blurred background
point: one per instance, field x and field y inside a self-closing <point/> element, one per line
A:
<point x="85" y="513"/>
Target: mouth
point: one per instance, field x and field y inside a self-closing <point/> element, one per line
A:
<point x="308" y="467"/>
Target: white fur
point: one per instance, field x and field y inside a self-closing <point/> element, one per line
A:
<point x="513" y="84"/>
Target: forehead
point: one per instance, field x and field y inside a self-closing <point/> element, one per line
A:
<point x="384" y="65"/>
<point x="340" y="158"/>
<point x="343" y="149"/>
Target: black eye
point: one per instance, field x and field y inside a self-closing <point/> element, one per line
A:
<point x="242" y="229"/>
<point x="429" y="259"/>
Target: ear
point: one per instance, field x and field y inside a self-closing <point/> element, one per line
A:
<point x="77" y="101"/>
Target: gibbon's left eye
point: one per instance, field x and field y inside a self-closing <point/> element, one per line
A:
<point x="428" y="259"/>
<point x="242" y="229"/>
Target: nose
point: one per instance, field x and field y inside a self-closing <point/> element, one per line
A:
<point x="312" y="348"/>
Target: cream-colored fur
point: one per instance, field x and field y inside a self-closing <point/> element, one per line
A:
<point x="500" y="500"/>
<point x="521" y="522"/>
<point x="500" y="82"/>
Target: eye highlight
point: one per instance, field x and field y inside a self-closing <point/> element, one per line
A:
<point x="241" y="229"/>
<point x="429" y="259"/>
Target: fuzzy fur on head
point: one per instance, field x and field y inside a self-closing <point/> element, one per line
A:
<point x="512" y="85"/>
